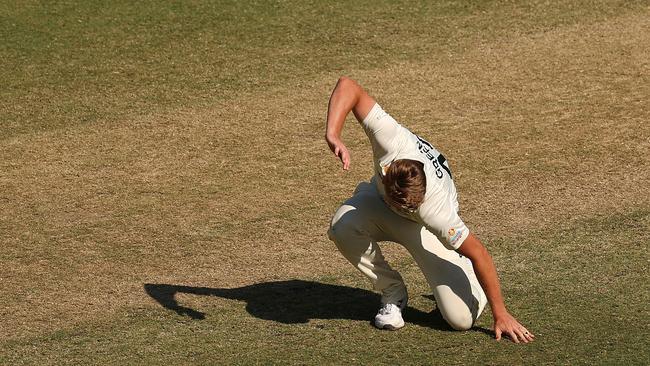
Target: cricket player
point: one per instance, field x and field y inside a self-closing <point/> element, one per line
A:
<point x="411" y="200"/>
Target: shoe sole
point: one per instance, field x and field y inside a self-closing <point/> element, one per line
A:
<point x="389" y="327"/>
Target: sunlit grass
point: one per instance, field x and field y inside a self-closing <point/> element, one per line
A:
<point x="180" y="144"/>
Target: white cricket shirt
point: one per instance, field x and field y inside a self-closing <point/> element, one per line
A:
<point x="439" y="210"/>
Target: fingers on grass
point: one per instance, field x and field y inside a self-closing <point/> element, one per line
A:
<point x="514" y="337"/>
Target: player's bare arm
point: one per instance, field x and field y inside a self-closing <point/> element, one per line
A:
<point x="347" y="96"/>
<point x="504" y="323"/>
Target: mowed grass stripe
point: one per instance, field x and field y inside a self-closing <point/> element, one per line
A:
<point x="570" y="301"/>
<point x="73" y="63"/>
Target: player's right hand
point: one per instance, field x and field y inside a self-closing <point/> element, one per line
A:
<point x="341" y="152"/>
<point x="509" y="326"/>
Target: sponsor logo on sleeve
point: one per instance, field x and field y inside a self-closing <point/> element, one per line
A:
<point x="454" y="235"/>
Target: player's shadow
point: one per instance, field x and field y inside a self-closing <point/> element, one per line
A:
<point x="294" y="301"/>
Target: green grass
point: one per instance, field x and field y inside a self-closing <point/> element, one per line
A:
<point x="152" y="145"/>
<point x="70" y="63"/>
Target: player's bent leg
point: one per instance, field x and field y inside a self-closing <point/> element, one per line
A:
<point x="458" y="294"/>
<point x="355" y="230"/>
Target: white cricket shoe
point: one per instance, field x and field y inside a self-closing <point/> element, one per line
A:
<point x="390" y="316"/>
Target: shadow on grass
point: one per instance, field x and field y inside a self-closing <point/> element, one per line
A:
<point x="295" y="301"/>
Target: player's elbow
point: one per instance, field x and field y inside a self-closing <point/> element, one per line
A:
<point x="348" y="83"/>
<point x="345" y="80"/>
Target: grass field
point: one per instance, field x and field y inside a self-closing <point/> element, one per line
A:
<point x="165" y="188"/>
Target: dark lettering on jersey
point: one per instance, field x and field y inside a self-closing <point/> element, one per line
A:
<point x="438" y="162"/>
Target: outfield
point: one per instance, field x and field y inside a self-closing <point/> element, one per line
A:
<point x="165" y="188"/>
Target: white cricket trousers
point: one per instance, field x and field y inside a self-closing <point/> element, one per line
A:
<point x="364" y="220"/>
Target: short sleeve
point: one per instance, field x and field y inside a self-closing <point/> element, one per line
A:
<point x="440" y="217"/>
<point x="383" y="131"/>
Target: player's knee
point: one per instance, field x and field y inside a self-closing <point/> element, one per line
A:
<point x="343" y="224"/>
<point x="339" y="231"/>
<point x="459" y="320"/>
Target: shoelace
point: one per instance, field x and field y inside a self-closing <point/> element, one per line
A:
<point x="388" y="308"/>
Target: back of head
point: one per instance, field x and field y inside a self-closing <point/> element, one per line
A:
<point x="405" y="184"/>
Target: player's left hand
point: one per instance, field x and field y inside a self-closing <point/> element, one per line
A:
<point x="507" y="325"/>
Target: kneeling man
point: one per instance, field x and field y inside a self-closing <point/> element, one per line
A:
<point x="411" y="200"/>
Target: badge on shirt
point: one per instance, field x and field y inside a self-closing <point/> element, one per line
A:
<point x="454" y="235"/>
